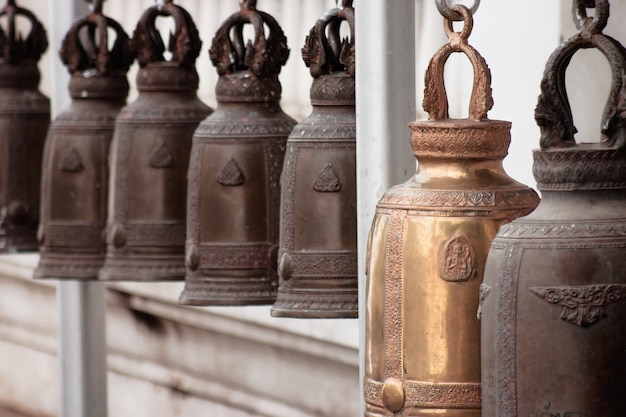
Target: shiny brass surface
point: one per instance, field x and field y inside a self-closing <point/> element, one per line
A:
<point x="24" y="120"/>
<point x="552" y="302"/>
<point x="427" y="251"/>
<point x="150" y="155"/>
<point x="75" y="167"/>
<point x="317" y="257"/>
<point x="236" y="162"/>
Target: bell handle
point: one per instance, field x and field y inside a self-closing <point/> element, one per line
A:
<point x="553" y="112"/>
<point x="37" y="40"/>
<point x="324" y="51"/>
<point x="263" y="56"/>
<point x="435" y="101"/>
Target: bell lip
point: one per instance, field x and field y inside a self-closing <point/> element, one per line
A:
<point x="586" y="166"/>
<point x="296" y="313"/>
<point x="84" y="85"/>
<point x="333" y="90"/>
<point x="244" y="86"/>
<point x="167" y="76"/>
<point x="461" y="139"/>
<point x="191" y="300"/>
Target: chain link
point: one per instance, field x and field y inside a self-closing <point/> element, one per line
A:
<point x="448" y="13"/>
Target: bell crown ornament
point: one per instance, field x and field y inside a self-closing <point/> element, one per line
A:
<point x="249" y="70"/>
<point x="75" y="164"/>
<point x="14" y="48"/>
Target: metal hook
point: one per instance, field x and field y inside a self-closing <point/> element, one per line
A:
<point x="96" y="5"/>
<point x="11" y="3"/>
<point x="344" y="3"/>
<point x="248" y="4"/>
<point x="450" y="14"/>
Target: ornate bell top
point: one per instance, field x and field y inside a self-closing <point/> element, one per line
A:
<point x="97" y="72"/>
<point x="249" y="71"/>
<point x="476" y="137"/>
<point x="19" y="56"/>
<point x="330" y="58"/>
<point x="561" y="163"/>
<point x="157" y="73"/>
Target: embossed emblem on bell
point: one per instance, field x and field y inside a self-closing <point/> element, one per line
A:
<point x="317" y="255"/>
<point x="428" y="247"/>
<point x="75" y="167"/>
<point x="236" y="162"/>
<point x="24" y="121"/>
<point x="145" y="231"/>
<point x="552" y="320"/>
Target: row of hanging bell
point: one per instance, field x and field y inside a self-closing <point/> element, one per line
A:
<point x="428" y="247"/>
<point x="24" y="121"/>
<point x="554" y="294"/>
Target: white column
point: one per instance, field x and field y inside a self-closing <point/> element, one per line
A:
<point x="81" y="305"/>
<point x="385" y="93"/>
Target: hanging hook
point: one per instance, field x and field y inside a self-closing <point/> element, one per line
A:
<point x="594" y="24"/>
<point x="11" y="3"/>
<point x="96" y="5"/>
<point x="450" y="14"/>
<point x="344" y="3"/>
<point x="248" y="4"/>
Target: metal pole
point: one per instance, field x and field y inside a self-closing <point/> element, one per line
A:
<point x="81" y="305"/>
<point x="385" y="104"/>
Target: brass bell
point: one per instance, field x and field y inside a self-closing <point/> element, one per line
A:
<point x="318" y="245"/>
<point x="24" y="121"/>
<point x="150" y="154"/>
<point x="554" y="295"/>
<point x="236" y="162"/>
<point x="75" y="168"/>
<point x="427" y="251"/>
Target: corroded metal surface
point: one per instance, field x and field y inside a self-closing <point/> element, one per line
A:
<point x="75" y="167"/>
<point x="427" y="251"/>
<point x="150" y="154"/>
<point x="317" y="256"/>
<point x="236" y="162"/>
<point x="553" y="297"/>
<point x="24" y="120"/>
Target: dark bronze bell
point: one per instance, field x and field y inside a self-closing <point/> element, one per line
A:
<point x="75" y="168"/>
<point x="150" y="154"/>
<point x="24" y="121"/>
<point x="236" y="162"/>
<point x="427" y="252"/>
<point x="554" y="296"/>
<point x="317" y="263"/>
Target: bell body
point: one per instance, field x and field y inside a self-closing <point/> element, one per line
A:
<point x="318" y="245"/>
<point x="233" y="199"/>
<point x="148" y="183"/>
<point x="555" y="294"/>
<point x="24" y="121"/>
<point x="75" y="179"/>
<point x="427" y="251"/>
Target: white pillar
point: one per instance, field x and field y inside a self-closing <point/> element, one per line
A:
<point x="385" y="94"/>
<point x="81" y="305"/>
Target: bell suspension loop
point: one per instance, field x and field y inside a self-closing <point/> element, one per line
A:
<point x="451" y="13"/>
<point x="248" y="4"/>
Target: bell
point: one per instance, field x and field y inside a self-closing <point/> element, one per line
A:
<point x="318" y="245"/>
<point x="236" y="162"/>
<point x="75" y="167"/>
<point x="150" y="154"/>
<point x="427" y="251"/>
<point x="554" y="295"/>
<point x="24" y="121"/>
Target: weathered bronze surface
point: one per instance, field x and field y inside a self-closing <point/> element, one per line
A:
<point x="555" y="281"/>
<point x="427" y="251"/>
<point x="75" y="168"/>
<point x="24" y="121"/>
<point x="150" y="154"/>
<point x="237" y="158"/>
<point x="317" y="264"/>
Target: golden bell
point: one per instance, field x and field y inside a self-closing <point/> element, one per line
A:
<point x="237" y="158"/>
<point x="150" y="155"/>
<point x="427" y="251"/>
<point x="318" y="256"/>
<point x="24" y="121"/>
<point x="554" y="295"/>
<point x="75" y="168"/>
